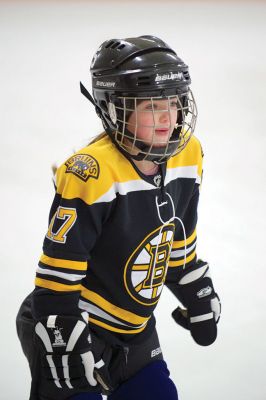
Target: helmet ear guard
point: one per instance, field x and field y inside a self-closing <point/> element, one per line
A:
<point x="126" y="72"/>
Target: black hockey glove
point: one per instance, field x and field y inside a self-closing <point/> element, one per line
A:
<point x="73" y="357"/>
<point x="196" y="292"/>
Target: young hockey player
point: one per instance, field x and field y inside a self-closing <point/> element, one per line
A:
<point x="122" y="224"/>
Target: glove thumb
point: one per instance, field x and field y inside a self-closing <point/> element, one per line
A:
<point x="181" y="318"/>
<point x="88" y="362"/>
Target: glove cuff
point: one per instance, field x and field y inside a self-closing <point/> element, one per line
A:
<point x="48" y="302"/>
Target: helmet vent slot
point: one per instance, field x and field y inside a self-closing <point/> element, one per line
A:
<point x="109" y="44"/>
<point x="114" y="45"/>
<point x="144" y="81"/>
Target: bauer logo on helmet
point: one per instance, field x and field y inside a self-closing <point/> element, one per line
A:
<point x="105" y="84"/>
<point x="169" y="76"/>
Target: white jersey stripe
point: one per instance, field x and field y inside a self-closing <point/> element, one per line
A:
<point x="123" y="188"/>
<point x="137" y="185"/>
<point x="92" y="309"/>
<point x="181" y="253"/>
<point x="182" y="172"/>
<point x="69" y="277"/>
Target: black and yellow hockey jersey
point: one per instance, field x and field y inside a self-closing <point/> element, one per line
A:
<point x="116" y="237"/>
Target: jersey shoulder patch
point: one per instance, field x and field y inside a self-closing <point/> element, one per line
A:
<point x="83" y="165"/>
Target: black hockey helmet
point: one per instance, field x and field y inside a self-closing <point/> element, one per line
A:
<point x="126" y="72"/>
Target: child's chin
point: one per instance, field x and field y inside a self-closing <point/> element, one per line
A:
<point x="159" y="145"/>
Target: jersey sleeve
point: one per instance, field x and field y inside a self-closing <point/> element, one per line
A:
<point x="183" y="253"/>
<point x="75" y="224"/>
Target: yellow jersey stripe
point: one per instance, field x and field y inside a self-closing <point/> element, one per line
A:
<point x="181" y="243"/>
<point x="60" y="263"/>
<point x="111" y="308"/>
<point x="112" y="328"/>
<point x="191" y="155"/>
<point x="58" y="287"/>
<point x="181" y="262"/>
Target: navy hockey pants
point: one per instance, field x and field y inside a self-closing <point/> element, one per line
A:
<point x="150" y="383"/>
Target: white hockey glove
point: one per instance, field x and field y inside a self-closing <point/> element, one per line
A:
<point x="72" y="356"/>
<point x="196" y="292"/>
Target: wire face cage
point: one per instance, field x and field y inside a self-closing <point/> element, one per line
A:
<point x="153" y="128"/>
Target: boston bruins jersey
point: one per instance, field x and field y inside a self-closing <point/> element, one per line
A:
<point x="116" y="235"/>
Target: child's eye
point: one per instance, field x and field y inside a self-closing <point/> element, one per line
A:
<point x="150" y="106"/>
<point x="174" y="104"/>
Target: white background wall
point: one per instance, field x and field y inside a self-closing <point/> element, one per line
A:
<point x="45" y="49"/>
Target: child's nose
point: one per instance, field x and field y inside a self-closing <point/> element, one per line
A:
<point x="164" y="117"/>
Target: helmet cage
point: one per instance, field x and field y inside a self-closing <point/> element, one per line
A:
<point x="125" y="134"/>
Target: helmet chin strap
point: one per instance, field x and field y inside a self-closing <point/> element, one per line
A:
<point x="88" y="96"/>
<point x="86" y="93"/>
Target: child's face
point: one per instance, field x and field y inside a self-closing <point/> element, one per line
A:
<point x="154" y="127"/>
